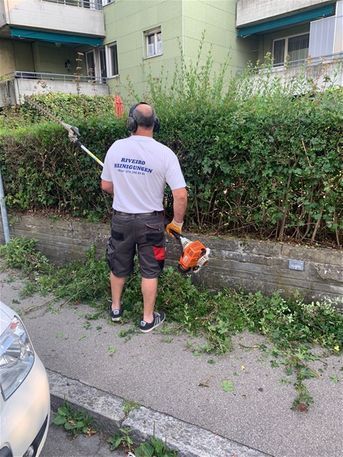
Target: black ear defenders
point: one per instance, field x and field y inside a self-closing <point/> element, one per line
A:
<point x="132" y="124"/>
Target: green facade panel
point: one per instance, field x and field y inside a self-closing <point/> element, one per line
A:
<point x="182" y="23"/>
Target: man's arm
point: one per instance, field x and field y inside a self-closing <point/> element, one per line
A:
<point x="179" y="207"/>
<point x="107" y="186"/>
<point x="179" y="204"/>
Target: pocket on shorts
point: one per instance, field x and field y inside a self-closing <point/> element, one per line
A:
<point x="155" y="233"/>
<point x="117" y="232"/>
<point x="159" y="253"/>
<point x="110" y="254"/>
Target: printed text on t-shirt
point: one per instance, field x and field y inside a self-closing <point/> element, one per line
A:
<point x="132" y="166"/>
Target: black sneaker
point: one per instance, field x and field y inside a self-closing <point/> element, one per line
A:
<point x="116" y="314"/>
<point x="148" y="326"/>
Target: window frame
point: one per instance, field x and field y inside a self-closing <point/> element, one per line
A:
<point x="93" y="76"/>
<point x="103" y="77"/>
<point x="146" y="34"/>
<point x="109" y="60"/>
<point x="286" y="38"/>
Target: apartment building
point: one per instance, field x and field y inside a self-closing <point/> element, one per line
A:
<point x="298" y="35"/>
<point x="48" y="46"/>
<point x="101" y="46"/>
<point x="146" y="36"/>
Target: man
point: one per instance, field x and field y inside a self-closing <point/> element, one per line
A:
<point x="136" y="170"/>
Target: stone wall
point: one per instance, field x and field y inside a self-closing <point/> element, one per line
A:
<point x="249" y="264"/>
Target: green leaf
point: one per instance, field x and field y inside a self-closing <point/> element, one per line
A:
<point x="69" y="426"/>
<point x="145" y="450"/>
<point x="59" y="420"/>
<point x="63" y="410"/>
<point x="227" y="385"/>
<point x="115" y="442"/>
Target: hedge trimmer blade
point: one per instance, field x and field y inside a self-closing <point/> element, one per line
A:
<point x="73" y="132"/>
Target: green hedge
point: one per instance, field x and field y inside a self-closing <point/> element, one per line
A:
<point x="268" y="164"/>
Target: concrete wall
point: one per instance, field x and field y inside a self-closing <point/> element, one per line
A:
<point x="15" y="55"/>
<point x="53" y="16"/>
<point x="253" y="265"/>
<point x="23" y="56"/>
<point x="251" y="11"/>
<point x="49" y="58"/>
<point x="7" y="64"/>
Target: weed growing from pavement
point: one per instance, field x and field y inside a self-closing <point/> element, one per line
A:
<point x="129" y="406"/>
<point x="154" y="447"/>
<point x="77" y="422"/>
<point x="21" y="253"/>
<point x="74" y="421"/>
<point x="292" y="325"/>
<point x="121" y="439"/>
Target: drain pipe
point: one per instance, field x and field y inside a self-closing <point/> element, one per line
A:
<point x="4" y="217"/>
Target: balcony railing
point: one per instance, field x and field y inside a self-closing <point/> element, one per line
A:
<point x="55" y="77"/>
<point x="16" y="86"/>
<point x="90" y="4"/>
<point x="330" y="59"/>
<point x="297" y="77"/>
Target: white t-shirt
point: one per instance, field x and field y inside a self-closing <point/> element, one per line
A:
<point x="139" y="168"/>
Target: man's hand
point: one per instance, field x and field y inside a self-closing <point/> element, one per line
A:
<point x="107" y="186"/>
<point x="174" y="226"/>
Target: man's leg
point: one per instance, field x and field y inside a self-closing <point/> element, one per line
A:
<point x="117" y="285"/>
<point x="149" y="291"/>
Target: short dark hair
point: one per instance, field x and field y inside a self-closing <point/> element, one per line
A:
<point x="143" y="120"/>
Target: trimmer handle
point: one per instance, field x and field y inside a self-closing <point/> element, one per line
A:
<point x="176" y="235"/>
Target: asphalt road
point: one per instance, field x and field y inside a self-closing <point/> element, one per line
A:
<point x="60" y="444"/>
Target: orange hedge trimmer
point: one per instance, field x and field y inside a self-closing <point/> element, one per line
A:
<point x="195" y="254"/>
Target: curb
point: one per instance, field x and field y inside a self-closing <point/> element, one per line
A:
<point x="107" y="410"/>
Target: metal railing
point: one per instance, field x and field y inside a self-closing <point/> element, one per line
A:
<point x="57" y="77"/>
<point x="89" y="4"/>
<point x="310" y="62"/>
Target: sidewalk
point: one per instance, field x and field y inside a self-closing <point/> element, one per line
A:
<point x="160" y="372"/>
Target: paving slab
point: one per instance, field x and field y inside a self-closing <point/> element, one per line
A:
<point x="160" y="372"/>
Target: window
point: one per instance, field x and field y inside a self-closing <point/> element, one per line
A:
<point x="90" y="61"/>
<point x="290" y="49"/>
<point x="153" y="42"/>
<point x="112" y="56"/>
<point x="91" y="4"/>
<point x="103" y="68"/>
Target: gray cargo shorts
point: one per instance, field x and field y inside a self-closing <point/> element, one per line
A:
<point x="136" y="233"/>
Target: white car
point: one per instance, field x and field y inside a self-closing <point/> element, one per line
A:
<point x="25" y="397"/>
